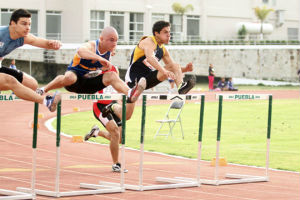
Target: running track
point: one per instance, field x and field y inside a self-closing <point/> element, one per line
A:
<point x="89" y="163"/>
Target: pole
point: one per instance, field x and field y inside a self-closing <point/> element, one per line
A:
<point x="142" y="141"/>
<point x="269" y="135"/>
<point x="218" y="137"/>
<point x="123" y="140"/>
<point x="34" y="144"/>
<point x="58" y="126"/>
<point x="200" y="137"/>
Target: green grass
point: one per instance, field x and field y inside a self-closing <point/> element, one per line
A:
<point x="243" y="138"/>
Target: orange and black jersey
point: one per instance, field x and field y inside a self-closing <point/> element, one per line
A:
<point x="82" y="66"/>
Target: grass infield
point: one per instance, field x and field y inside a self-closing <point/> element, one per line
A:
<point x="243" y="136"/>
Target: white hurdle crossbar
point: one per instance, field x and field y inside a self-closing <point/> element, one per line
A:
<point x="10" y="194"/>
<point x="98" y="189"/>
<point x="238" y="178"/>
<point x="171" y="182"/>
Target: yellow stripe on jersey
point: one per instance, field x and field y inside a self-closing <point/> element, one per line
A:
<point x="76" y="60"/>
<point x="88" y="68"/>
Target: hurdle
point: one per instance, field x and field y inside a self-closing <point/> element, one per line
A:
<point x="171" y="182"/>
<point x="10" y="194"/>
<point x="101" y="189"/>
<point x="239" y="178"/>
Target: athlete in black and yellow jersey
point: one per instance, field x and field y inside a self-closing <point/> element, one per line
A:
<point x="145" y="61"/>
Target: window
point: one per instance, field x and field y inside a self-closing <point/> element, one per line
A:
<point x="157" y="17"/>
<point x="117" y="21"/>
<point x="193" y="23"/>
<point x="53" y="25"/>
<point x="5" y="18"/>
<point x="136" y="26"/>
<point x="176" y="27"/>
<point x="96" y="24"/>
<point x="292" y="33"/>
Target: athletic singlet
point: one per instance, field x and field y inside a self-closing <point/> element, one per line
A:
<point x="109" y="89"/>
<point x="7" y="44"/>
<point x="82" y="66"/>
<point x="138" y="55"/>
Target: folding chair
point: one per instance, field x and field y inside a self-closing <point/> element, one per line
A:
<point x="175" y="105"/>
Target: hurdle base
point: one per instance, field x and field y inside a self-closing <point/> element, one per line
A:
<point x="175" y="183"/>
<point x="233" y="179"/>
<point x="11" y="195"/>
<point x="72" y="193"/>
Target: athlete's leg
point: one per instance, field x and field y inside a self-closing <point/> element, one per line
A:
<point x="61" y="80"/>
<point x="29" y="81"/>
<point x="111" y="78"/>
<point x="8" y="82"/>
<point x="113" y="129"/>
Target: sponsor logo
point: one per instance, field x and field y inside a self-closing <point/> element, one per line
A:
<point x="91" y="97"/>
<point x="8" y="97"/>
<point x="176" y="97"/>
<point x="244" y="96"/>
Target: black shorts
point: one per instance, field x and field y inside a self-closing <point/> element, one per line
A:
<point x="97" y="110"/>
<point x="13" y="72"/>
<point x="139" y="70"/>
<point x="85" y="85"/>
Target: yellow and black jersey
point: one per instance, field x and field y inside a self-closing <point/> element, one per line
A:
<point x="138" y="55"/>
<point x="82" y="66"/>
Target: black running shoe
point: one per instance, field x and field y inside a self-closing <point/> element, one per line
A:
<point x="107" y="110"/>
<point x="117" y="168"/>
<point x="186" y="86"/>
<point x="94" y="129"/>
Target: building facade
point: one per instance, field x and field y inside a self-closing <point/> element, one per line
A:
<point x="76" y="21"/>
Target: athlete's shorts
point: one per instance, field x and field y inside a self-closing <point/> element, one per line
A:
<point x="85" y="85"/>
<point x="13" y="72"/>
<point x="139" y="70"/>
<point x="97" y="107"/>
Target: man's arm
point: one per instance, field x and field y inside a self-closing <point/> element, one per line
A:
<point x="149" y="46"/>
<point x="41" y="42"/>
<point x="87" y="51"/>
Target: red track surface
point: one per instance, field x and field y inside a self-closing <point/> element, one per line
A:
<point x="89" y="163"/>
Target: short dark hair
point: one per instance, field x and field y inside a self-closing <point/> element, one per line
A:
<point x="159" y="25"/>
<point x="17" y="14"/>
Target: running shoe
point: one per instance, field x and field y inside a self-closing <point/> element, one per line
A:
<point x="186" y="86"/>
<point x="117" y="168"/>
<point x="94" y="131"/>
<point x="52" y="101"/>
<point x="137" y="90"/>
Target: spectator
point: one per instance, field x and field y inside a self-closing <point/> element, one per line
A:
<point x="230" y="85"/>
<point x="222" y="85"/>
<point x="299" y="74"/>
<point x="211" y="77"/>
<point x="13" y="64"/>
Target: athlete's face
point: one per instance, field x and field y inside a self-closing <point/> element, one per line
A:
<point x="164" y="35"/>
<point x="22" y="27"/>
<point x="109" y="41"/>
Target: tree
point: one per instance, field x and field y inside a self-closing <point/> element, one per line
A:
<point x="262" y="14"/>
<point x="242" y="33"/>
<point x="181" y="10"/>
